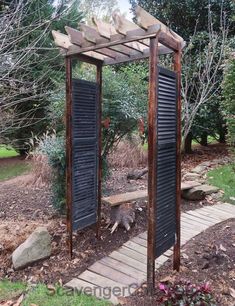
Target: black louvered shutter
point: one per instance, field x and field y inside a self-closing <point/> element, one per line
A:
<point x="84" y="153"/>
<point x="166" y="160"/>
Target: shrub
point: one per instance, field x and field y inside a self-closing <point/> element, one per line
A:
<point x="128" y="154"/>
<point x="184" y="293"/>
<point x="51" y="148"/>
<point x="229" y="99"/>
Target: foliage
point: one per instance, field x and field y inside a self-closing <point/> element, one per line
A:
<point x="207" y="26"/>
<point x="10" y="290"/>
<point x="101" y="9"/>
<point x="184" y="293"/>
<point x="195" y="13"/>
<point x="31" y="65"/>
<point x="53" y="146"/>
<point x="41" y="296"/>
<point x="123" y="102"/>
<point x="6" y="151"/>
<point x="229" y="99"/>
<point x="224" y="178"/>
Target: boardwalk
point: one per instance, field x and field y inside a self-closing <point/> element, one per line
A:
<point x="125" y="269"/>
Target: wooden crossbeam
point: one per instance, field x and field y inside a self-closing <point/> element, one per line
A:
<point x="144" y="20"/>
<point x="61" y="40"/>
<point x="106" y="30"/>
<point x="122" y="25"/>
<point x="87" y="38"/>
<point x="114" y="40"/>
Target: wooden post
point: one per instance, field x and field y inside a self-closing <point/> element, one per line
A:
<point x="68" y="65"/>
<point x="177" y="69"/>
<point x="99" y="101"/>
<point x="152" y="160"/>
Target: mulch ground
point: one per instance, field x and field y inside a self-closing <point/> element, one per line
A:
<point x="209" y="257"/>
<point x="23" y="208"/>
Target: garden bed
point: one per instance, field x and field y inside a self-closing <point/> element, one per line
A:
<point x="207" y="258"/>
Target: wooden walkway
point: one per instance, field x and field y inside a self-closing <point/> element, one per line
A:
<point x="125" y="269"/>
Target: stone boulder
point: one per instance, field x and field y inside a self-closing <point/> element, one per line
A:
<point x="191" y="176"/>
<point x="37" y="246"/>
<point x="198" y="193"/>
<point x="200" y="169"/>
<point x="193" y="194"/>
<point x="208" y="189"/>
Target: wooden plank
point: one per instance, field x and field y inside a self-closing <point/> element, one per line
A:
<point x="144" y="20"/>
<point x="105" y="29"/>
<point x="79" y="285"/>
<point x="140" y="241"/>
<point x="139" y="276"/>
<point x="99" y="114"/>
<point x="199" y="218"/>
<point x="226" y="207"/>
<point x="122" y="25"/>
<point x="133" y="254"/>
<point x="169" y="252"/>
<point x="114" y="40"/>
<point x="125" y="197"/>
<point x="143" y="235"/>
<point x="111" y="273"/>
<point x="129" y="261"/>
<point x="223" y="209"/>
<point x="152" y="162"/>
<point x="68" y="67"/>
<point x="193" y="224"/>
<point x="189" y="185"/>
<point x="160" y="261"/>
<point x="179" y="184"/>
<point x="136" y="247"/>
<point x="138" y="195"/>
<point x="198" y="221"/>
<point x="219" y="214"/>
<point x="204" y="216"/>
<point x="61" y="40"/>
<point x="131" y="58"/>
<point x="99" y="280"/>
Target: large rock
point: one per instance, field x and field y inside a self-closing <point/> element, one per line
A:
<point x="37" y="246"/>
<point x="191" y="176"/>
<point x="208" y="189"/>
<point x="193" y="194"/>
<point x="199" y="169"/>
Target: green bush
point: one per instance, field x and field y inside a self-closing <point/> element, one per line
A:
<point x="53" y="146"/>
<point x="229" y="99"/>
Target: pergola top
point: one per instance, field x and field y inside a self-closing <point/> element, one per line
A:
<point x="123" y="42"/>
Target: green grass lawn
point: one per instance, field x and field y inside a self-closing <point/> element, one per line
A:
<point x="9" y="290"/>
<point x="224" y="178"/>
<point x="13" y="169"/>
<point x="7" y="152"/>
<point x="41" y="296"/>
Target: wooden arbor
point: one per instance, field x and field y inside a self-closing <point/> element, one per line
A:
<point x="105" y="44"/>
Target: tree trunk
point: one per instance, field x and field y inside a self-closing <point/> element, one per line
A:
<point x="204" y="139"/>
<point x="188" y="143"/>
<point x="222" y="135"/>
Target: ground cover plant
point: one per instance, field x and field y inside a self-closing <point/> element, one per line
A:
<point x="6" y="151"/>
<point x="10" y="290"/>
<point x="224" y="178"/>
<point x="42" y="295"/>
